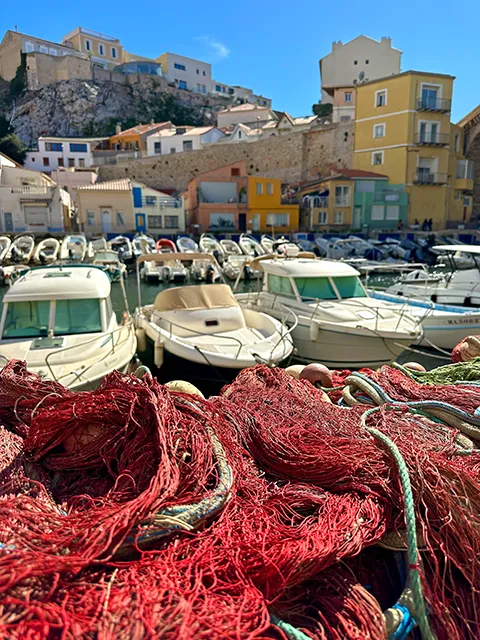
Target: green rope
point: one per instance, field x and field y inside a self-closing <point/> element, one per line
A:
<point x="291" y="632"/>
<point x="414" y="579"/>
<point x="447" y="374"/>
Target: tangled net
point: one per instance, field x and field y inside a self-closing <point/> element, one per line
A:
<point x="136" y="512"/>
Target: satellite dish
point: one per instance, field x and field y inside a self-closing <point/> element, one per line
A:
<point x="361" y="75"/>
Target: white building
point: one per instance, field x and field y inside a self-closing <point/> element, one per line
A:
<point x="244" y="114"/>
<point x="360" y="60"/>
<point x="31" y="201"/>
<point x="62" y="152"/>
<point x="69" y="179"/>
<point x="187" y="73"/>
<point x="180" y="139"/>
<point x="239" y="94"/>
<point x="163" y="213"/>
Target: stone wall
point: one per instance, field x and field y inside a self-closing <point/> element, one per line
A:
<point x="290" y="157"/>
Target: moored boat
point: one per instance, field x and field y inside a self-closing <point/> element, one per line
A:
<point x="74" y="247"/>
<point x="46" y="251"/>
<point x="5" y="243"/>
<point x="21" y="250"/>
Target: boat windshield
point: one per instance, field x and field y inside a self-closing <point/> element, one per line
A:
<point x="323" y="288"/>
<point x="31" y="319"/>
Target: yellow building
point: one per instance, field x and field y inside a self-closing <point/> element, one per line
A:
<point x="104" y="51"/>
<point x="266" y="213"/>
<point x="106" y="207"/>
<point x="403" y="130"/>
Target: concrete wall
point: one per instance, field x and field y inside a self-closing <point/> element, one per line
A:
<point x="292" y="157"/>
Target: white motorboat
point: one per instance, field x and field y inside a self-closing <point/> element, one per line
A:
<point x="155" y="272"/>
<point x="459" y="288"/>
<point x="267" y="243"/>
<point x="174" y="271"/>
<point x="61" y="322"/>
<point x="142" y="244"/>
<point x="11" y="272"/>
<point x="339" y="324"/>
<point x="109" y="261"/>
<point x="5" y="243"/>
<point x="186" y="244"/>
<point x="209" y="244"/>
<point x="74" y="247"/>
<point x="230" y="247"/>
<point x="250" y="246"/>
<point x="123" y="246"/>
<point x="21" y="250"/>
<point x="96" y="244"/>
<point x="46" y="251"/>
<point x="322" y="246"/>
<point x="235" y="259"/>
<point x="205" y="325"/>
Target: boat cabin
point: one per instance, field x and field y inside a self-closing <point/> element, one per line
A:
<point x="57" y="301"/>
<point x="308" y="280"/>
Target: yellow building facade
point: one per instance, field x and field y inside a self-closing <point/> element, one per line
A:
<point x="104" y="51"/>
<point x="403" y="130"/>
<point x="266" y="213"/>
<point x="334" y="209"/>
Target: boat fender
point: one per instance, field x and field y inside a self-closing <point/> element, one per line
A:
<point x="158" y="353"/>
<point x="295" y="370"/>
<point x="317" y="373"/>
<point x="415" y="366"/>
<point x="184" y="387"/>
<point x="141" y="339"/>
<point x="314" y="329"/>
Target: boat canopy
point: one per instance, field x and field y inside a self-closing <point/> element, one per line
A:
<point x="206" y="296"/>
<point x="454" y="248"/>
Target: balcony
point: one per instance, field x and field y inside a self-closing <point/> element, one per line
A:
<point x="34" y="190"/>
<point x="438" y="105"/>
<point x="432" y="139"/>
<point x="425" y="176"/>
<point x="290" y="199"/>
<point x="160" y="203"/>
<point x="387" y="195"/>
<point x="342" y="202"/>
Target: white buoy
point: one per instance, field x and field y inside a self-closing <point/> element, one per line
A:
<point x="141" y="339"/>
<point x="158" y="353"/>
<point x="184" y="387"/>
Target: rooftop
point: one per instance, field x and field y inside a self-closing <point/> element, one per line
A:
<point x="72" y="138"/>
<point x="406" y="73"/>
<point x="60" y="283"/>
<point x="245" y="107"/>
<point x="123" y="184"/>
<point x="141" y="128"/>
<point x="307" y="268"/>
<point x="89" y="32"/>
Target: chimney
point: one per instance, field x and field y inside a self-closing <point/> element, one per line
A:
<point x="387" y="41"/>
<point x="118" y="129"/>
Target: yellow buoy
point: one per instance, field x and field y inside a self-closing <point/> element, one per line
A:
<point x="295" y="370"/>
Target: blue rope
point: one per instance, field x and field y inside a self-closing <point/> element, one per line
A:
<point x="406" y="625"/>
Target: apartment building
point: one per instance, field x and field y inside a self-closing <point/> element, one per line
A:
<point x="14" y="44"/>
<point x="403" y="130"/>
<point x="135" y="138"/>
<point x="104" y="51"/>
<point x="31" y="201"/>
<point x="156" y="212"/>
<point x="187" y="73"/>
<point x="239" y="94"/>
<point x="179" y="139"/>
<point x="244" y="114"/>
<point x="54" y="153"/>
<point x="363" y="59"/>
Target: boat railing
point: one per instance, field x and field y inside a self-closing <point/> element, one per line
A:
<point x="288" y="330"/>
<point x="194" y="332"/>
<point x="114" y="336"/>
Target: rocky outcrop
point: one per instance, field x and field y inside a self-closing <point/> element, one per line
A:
<point x="87" y="108"/>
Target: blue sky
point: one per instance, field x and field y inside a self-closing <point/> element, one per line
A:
<point x="274" y="48"/>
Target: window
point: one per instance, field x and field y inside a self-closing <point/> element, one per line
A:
<point x="348" y="96"/>
<point x="43" y="49"/>
<point x="393" y="212"/>
<point x="27" y="319"/>
<point x="342" y="196"/>
<point x="114" y="52"/>
<point x="157" y="147"/>
<point x="154" y="222"/>
<point x="173" y="150"/>
<point x="231" y="91"/>
<point x="199" y="87"/>
<point x="218" y="88"/>
<point x="71" y="162"/>
<point x="338" y="218"/>
<point x="29" y="47"/>
<point x="53" y="146"/>
<point x="151" y="201"/>
<point x="223" y="90"/>
<point x="81" y="162"/>
<point x="204" y="73"/>
<point x="349" y="287"/>
<point x="204" y="88"/>
<point x="59" y="162"/>
<point x="52" y="51"/>
<point x="259" y="188"/>
<point x="377" y="158"/>
<point x="315" y="288"/>
<point x="235" y="172"/>
<point x="344" y="118"/>
<point x="364" y="186"/>
<point x="323" y="217"/>
<point x="367" y="61"/>
<point x="120" y="219"/>
<point x="198" y="72"/>
<point x="456" y="143"/>
<point x="171" y="222"/>
<point x="378" y="212"/>
<point x="78" y="148"/>
<point x="381" y="98"/>
<point x="270" y="189"/>
<point x="91" y="219"/>
<point x="88" y="45"/>
<point x="466" y="201"/>
<point x="101" y="49"/>
<point x="187" y="145"/>
<point x="182" y="67"/>
<point x="280" y="284"/>
<point x="429" y="97"/>
<point x="378" y="130"/>
<point x="46" y="162"/>
<point x="355" y="62"/>
<point x="182" y="84"/>
<point x="77" y="316"/>
<point x="278" y="219"/>
<point x="458" y="195"/>
<point x="239" y="135"/>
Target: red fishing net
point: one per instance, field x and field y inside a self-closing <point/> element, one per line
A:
<point x="89" y="477"/>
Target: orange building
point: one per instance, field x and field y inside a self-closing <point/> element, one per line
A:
<point x="135" y="138"/>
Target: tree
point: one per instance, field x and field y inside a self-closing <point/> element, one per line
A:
<point x="4" y="127"/>
<point x="18" y="84"/>
<point x="13" y="147"/>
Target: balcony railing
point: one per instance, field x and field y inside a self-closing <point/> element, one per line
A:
<point x="290" y="200"/>
<point x="433" y="139"/>
<point x="342" y="202"/>
<point x="434" y="104"/>
<point x="427" y="177"/>
<point x="159" y="203"/>
<point x="388" y="195"/>
<point x="32" y="191"/>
